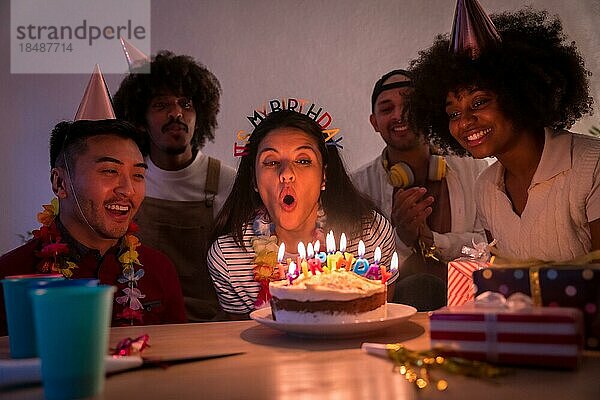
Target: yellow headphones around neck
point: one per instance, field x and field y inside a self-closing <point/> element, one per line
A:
<point x="400" y="175"/>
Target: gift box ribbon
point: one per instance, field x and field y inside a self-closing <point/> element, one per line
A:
<point x="497" y="301"/>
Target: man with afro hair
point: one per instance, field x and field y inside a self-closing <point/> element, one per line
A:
<point x="176" y="106"/>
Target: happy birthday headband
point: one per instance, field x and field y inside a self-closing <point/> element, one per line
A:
<point x="302" y="106"/>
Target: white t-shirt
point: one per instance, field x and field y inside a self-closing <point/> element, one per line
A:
<point x="187" y="184"/>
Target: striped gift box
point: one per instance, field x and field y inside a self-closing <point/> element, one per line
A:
<point x="542" y="336"/>
<point x="576" y="286"/>
<point x="460" y="281"/>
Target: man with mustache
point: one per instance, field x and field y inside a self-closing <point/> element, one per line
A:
<point x="176" y="106"/>
<point x="428" y="197"/>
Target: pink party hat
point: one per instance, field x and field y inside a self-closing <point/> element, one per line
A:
<point x="135" y="57"/>
<point x="472" y="29"/>
<point x="96" y="103"/>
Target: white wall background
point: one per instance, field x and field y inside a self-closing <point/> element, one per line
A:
<point x="329" y="51"/>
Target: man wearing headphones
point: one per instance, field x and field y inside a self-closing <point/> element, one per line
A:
<point x="428" y="197"/>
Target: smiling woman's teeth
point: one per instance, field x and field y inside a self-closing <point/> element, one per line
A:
<point x="479" y="134"/>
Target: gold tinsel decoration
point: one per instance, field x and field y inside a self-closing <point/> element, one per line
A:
<point x="418" y="366"/>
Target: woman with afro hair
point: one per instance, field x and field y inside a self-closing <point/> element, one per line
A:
<point x="541" y="199"/>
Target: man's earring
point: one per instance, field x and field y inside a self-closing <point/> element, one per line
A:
<point x="255" y="189"/>
<point x="322" y="187"/>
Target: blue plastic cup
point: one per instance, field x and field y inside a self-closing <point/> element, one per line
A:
<point x="19" y="312"/>
<point x="64" y="282"/>
<point x="73" y="325"/>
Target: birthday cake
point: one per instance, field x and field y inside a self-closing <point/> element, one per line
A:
<point x="339" y="296"/>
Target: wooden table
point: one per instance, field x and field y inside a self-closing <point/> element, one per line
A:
<point x="277" y="366"/>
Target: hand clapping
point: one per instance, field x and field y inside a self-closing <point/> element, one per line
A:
<point x="410" y="209"/>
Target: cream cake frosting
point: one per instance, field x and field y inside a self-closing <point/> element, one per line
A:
<point x="336" y="297"/>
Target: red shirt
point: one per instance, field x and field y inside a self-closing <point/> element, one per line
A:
<point x="163" y="301"/>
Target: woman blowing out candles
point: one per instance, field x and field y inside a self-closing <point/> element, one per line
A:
<point x="512" y="100"/>
<point x="290" y="187"/>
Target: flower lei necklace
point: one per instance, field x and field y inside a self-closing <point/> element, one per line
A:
<point x="55" y="255"/>
<point x="264" y="244"/>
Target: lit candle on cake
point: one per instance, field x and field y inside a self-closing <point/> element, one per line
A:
<point x="332" y="256"/>
<point x="280" y="267"/>
<point x="393" y="267"/>
<point x="320" y="254"/>
<point x="346" y="260"/>
<point x="374" y="272"/>
<point x="302" y="259"/>
<point x="292" y="272"/>
<point x="313" y="262"/>
<point x="361" y="266"/>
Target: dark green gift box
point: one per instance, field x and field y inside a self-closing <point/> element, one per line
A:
<point x="553" y="286"/>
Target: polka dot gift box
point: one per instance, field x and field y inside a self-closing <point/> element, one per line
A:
<point x="551" y="286"/>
